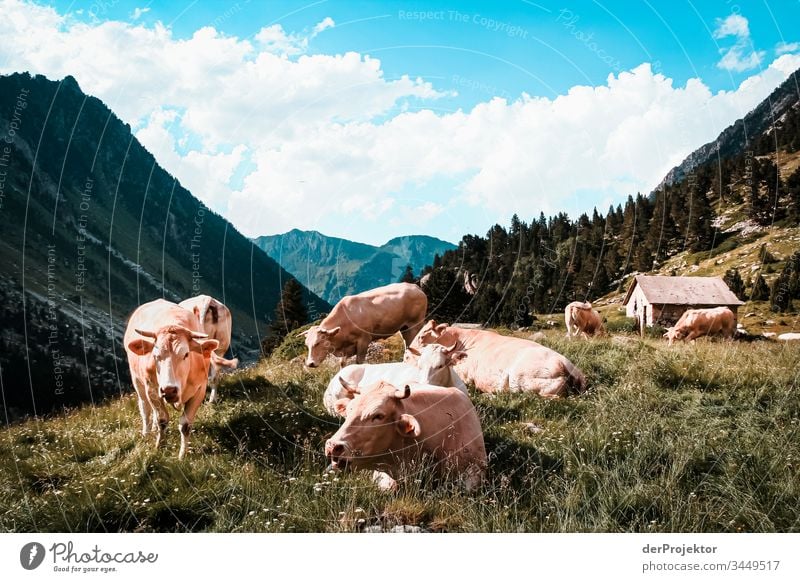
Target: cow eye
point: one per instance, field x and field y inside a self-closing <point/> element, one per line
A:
<point x="186" y="355"/>
<point x="378" y="417"/>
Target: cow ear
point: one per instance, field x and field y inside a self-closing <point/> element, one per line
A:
<point x="207" y="346"/>
<point x="408" y="426"/>
<point x="140" y="347"/>
<point x="456" y="357"/>
<point x="331" y="332"/>
<point x="441" y="327"/>
<point x="340" y="406"/>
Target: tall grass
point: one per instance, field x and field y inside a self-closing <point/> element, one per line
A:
<point x="698" y="437"/>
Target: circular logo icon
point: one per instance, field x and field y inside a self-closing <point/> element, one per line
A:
<point x="31" y="555"/>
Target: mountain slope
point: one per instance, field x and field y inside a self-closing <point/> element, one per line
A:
<point x="742" y="135"/>
<point x="93" y="227"/>
<point x="334" y="267"/>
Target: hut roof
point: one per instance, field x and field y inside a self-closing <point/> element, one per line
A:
<point x="683" y="290"/>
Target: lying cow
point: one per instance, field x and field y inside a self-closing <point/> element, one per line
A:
<point x="216" y="320"/>
<point x="434" y="366"/>
<point x="389" y="430"/>
<point x="497" y="363"/>
<point x="581" y="319"/>
<point x="698" y="322"/>
<point x="169" y="356"/>
<point x="359" y="319"/>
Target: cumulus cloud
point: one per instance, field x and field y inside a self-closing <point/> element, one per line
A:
<point x="741" y="56"/>
<point x="282" y="139"/>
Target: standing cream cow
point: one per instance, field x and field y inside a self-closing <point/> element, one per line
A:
<point x="169" y="356"/>
<point x="582" y="319"/>
<point x="358" y="319"/>
<point x="497" y="363"/>
<point x="697" y="322"/>
<point x="216" y="320"/>
<point x="388" y="430"/>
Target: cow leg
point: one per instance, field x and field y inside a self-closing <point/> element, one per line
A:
<point x="384" y="481"/>
<point x="361" y="351"/>
<point x="410" y="333"/>
<point x="212" y="381"/>
<point x="144" y="406"/>
<point x="161" y="416"/>
<point x="187" y="418"/>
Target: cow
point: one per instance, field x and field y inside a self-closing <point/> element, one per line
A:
<point x="581" y="319"/>
<point x="216" y="320"/>
<point x="358" y="319"/>
<point x="497" y="363"/>
<point x="389" y="430"/>
<point x="434" y="366"/>
<point x="698" y="322"/>
<point x="169" y="356"/>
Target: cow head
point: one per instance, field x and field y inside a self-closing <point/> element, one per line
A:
<point x="673" y="333"/>
<point x="375" y="424"/>
<point x="318" y="341"/>
<point x="172" y="350"/>
<point x="434" y="362"/>
<point x="429" y="334"/>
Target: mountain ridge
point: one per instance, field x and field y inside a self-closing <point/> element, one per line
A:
<point x="334" y="267"/>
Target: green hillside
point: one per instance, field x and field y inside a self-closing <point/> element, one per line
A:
<point x="694" y="438"/>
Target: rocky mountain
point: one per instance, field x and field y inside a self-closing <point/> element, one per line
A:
<point x="92" y="227"/>
<point x="334" y="267"/>
<point x="742" y="135"/>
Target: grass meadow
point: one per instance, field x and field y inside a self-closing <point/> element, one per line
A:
<point x="694" y="438"/>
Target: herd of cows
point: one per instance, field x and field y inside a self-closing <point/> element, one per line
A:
<point x="394" y="413"/>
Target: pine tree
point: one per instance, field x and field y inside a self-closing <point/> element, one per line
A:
<point x="787" y="286"/>
<point x="408" y="275"/>
<point x="734" y="281"/>
<point x="290" y="313"/>
<point x="760" y="291"/>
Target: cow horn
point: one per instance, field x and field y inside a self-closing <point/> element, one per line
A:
<point x="404" y="393"/>
<point x="414" y="351"/>
<point x="141" y="332"/>
<point x="352" y="388"/>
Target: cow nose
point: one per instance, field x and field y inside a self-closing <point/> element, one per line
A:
<point x="311" y="364"/>
<point x="169" y="392"/>
<point x="334" y="449"/>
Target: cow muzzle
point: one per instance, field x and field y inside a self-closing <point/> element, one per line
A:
<point x="169" y="393"/>
<point x="311" y="364"/>
<point x="335" y="452"/>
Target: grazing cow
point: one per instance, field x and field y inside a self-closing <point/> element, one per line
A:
<point x="434" y="366"/>
<point x="582" y="319"/>
<point x="358" y="319"/>
<point x="497" y="363"/>
<point x="389" y="430"/>
<point x="697" y="322"/>
<point x="216" y="320"/>
<point x="169" y="356"/>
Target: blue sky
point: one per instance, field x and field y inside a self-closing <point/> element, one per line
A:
<point x="445" y="118"/>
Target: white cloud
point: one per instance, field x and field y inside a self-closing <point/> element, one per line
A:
<point x="741" y="56"/>
<point x="138" y="13"/>
<point x="734" y="25"/>
<point x="275" y="40"/>
<point x="283" y="139"/>
<point x="786" y="47"/>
